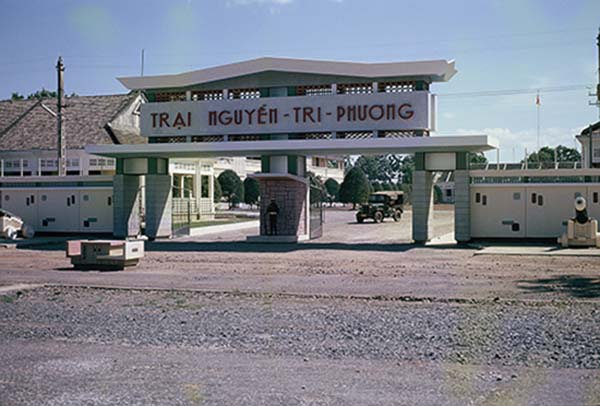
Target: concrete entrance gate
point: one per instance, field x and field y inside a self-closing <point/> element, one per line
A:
<point x="287" y="183"/>
<point x="284" y="110"/>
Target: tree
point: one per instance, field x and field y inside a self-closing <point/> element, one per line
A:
<point x="42" y="94"/>
<point x="547" y="154"/>
<point x="251" y="191"/>
<point x="437" y="194"/>
<point x="376" y="186"/>
<point x="478" y="158"/>
<point x="406" y="168"/>
<point x="566" y="154"/>
<point x="377" y="168"/>
<point x="355" y="187"/>
<point x="317" y="193"/>
<point x="232" y="187"/>
<point x="333" y="190"/>
<point x="217" y="193"/>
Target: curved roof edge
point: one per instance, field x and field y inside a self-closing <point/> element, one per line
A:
<point x="434" y="70"/>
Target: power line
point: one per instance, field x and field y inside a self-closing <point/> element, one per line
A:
<point x="360" y="46"/>
<point x="510" y="92"/>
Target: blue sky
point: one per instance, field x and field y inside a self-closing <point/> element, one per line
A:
<point x="497" y="45"/>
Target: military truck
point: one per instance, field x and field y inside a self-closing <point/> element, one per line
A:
<point x="11" y="226"/>
<point x="381" y="205"/>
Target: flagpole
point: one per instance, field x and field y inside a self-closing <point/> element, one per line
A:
<point x="537" y="103"/>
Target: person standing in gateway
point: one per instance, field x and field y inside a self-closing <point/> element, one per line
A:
<point x="272" y="212"/>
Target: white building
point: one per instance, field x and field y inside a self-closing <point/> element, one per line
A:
<point x="590" y="145"/>
<point x="82" y="200"/>
<point x="324" y="167"/>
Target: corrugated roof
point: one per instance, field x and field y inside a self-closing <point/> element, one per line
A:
<point x="27" y="125"/>
<point x="436" y="70"/>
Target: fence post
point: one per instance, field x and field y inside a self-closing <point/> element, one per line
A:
<point x="189" y="213"/>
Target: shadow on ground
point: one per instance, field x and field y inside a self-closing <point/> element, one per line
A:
<point x="240" y="246"/>
<point x="244" y="246"/>
<point x="571" y="285"/>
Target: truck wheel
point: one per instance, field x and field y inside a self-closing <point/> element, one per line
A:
<point x="27" y="231"/>
<point x="359" y="219"/>
<point x="378" y="217"/>
<point x="397" y="215"/>
<point x="10" y="233"/>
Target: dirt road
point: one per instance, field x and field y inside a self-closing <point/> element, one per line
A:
<point x="349" y="260"/>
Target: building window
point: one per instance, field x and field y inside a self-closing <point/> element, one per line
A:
<point x="204" y="179"/>
<point x="477" y="197"/>
<point x="396" y="87"/>
<point x="244" y="93"/>
<point x="448" y="192"/>
<point x="169" y="96"/>
<point x="355" y="88"/>
<point x="595" y="197"/>
<point x="319" y="90"/>
<point x="207" y="95"/>
<point x="176" y="187"/>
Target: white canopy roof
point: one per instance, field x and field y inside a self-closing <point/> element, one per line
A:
<point x="330" y="147"/>
<point x="433" y="71"/>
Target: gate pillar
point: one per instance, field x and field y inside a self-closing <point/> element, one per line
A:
<point x="158" y="199"/>
<point x="127" y="205"/>
<point x="422" y="206"/>
<point x="462" y="199"/>
<point x="422" y="201"/>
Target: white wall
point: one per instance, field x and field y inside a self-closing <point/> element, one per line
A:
<point x="62" y="209"/>
<point x="509" y="204"/>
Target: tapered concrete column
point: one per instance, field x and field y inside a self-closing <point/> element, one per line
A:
<point x="462" y="206"/>
<point x="126" y="205"/>
<point x="422" y="206"/>
<point x="158" y="206"/>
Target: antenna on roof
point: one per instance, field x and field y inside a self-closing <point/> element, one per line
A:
<point x="62" y="148"/>
<point x="142" y="62"/>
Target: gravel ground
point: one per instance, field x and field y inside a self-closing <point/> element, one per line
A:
<point x="557" y="335"/>
<point x="509" y="337"/>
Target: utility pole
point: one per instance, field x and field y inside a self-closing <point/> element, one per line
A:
<point x="594" y="103"/>
<point x="142" y="62"/>
<point x="597" y="94"/>
<point x="62" y="147"/>
<point x="598" y="85"/>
